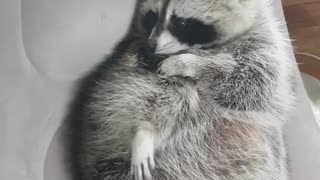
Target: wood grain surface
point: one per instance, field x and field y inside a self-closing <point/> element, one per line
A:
<point x="303" y="20"/>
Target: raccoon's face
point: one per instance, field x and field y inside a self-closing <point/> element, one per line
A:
<point x="185" y="24"/>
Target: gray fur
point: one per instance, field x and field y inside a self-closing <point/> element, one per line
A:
<point x="216" y="113"/>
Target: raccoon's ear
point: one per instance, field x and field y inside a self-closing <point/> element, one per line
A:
<point x="149" y="21"/>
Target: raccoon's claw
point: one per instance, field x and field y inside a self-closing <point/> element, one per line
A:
<point x="142" y="171"/>
<point x="142" y="160"/>
<point x="160" y="72"/>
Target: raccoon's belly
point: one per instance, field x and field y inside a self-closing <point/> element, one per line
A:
<point x="225" y="151"/>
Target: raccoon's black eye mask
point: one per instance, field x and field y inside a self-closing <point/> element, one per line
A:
<point x="191" y="31"/>
<point x="149" y="21"/>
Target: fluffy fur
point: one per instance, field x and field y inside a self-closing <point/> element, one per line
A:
<point x="210" y="111"/>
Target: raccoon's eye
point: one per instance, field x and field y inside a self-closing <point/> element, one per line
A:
<point x="178" y="23"/>
<point x="181" y="22"/>
<point x="149" y="21"/>
<point x="191" y="31"/>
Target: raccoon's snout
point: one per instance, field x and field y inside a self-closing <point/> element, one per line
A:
<point x="147" y="57"/>
<point x="152" y="45"/>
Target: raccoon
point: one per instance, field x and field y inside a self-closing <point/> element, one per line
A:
<point x="197" y="90"/>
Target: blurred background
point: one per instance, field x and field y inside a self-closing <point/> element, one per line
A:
<point x="303" y="21"/>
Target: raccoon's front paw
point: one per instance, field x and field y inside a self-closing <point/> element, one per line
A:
<point x="142" y="159"/>
<point x="179" y="65"/>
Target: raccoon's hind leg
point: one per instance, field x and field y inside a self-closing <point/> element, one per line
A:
<point x="142" y="157"/>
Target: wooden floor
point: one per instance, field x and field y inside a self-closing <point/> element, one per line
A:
<point x="303" y="20"/>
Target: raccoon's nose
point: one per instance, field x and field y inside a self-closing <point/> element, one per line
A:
<point x="152" y="44"/>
